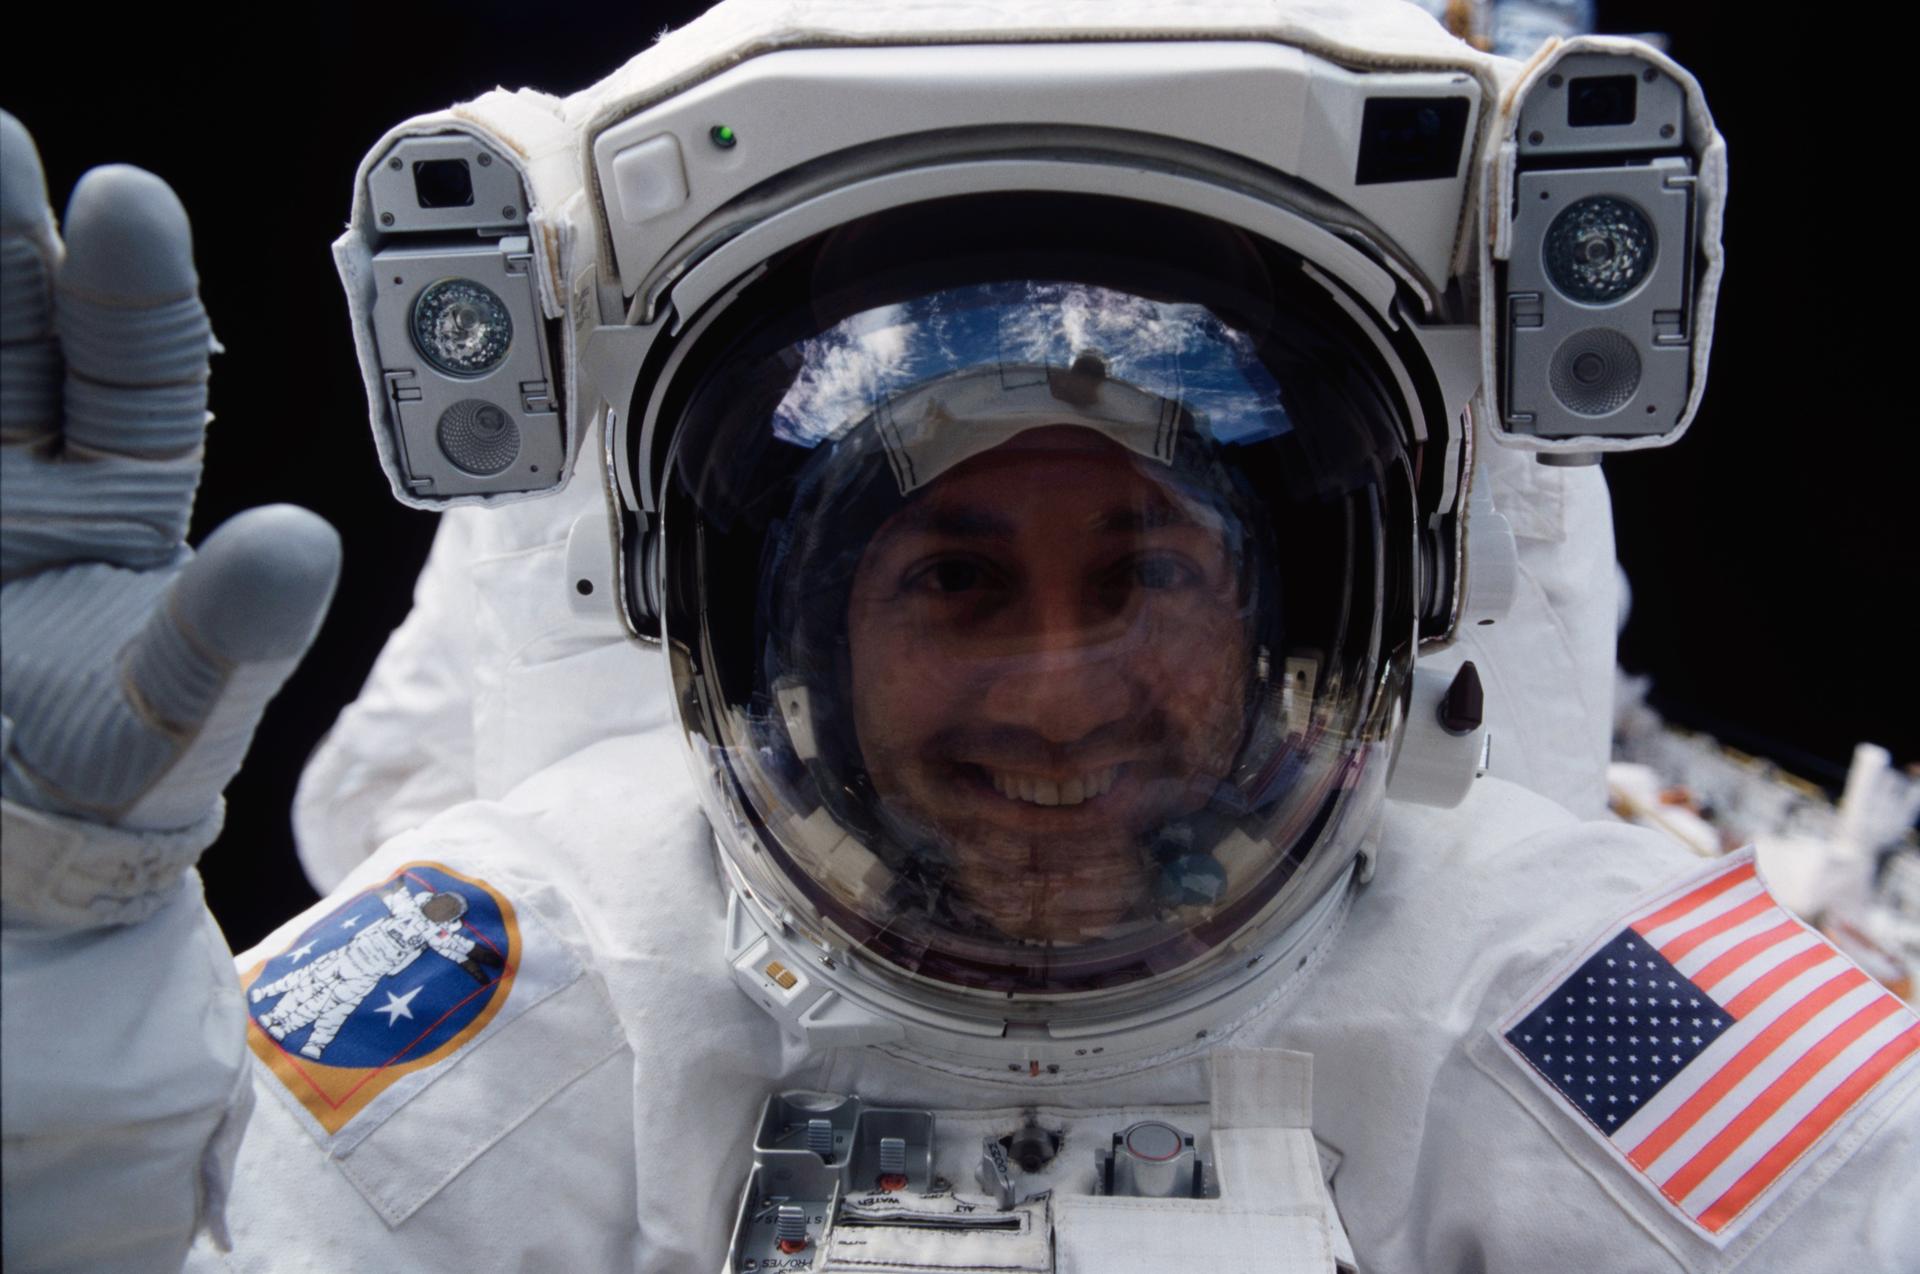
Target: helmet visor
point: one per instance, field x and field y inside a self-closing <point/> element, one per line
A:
<point x="1031" y="630"/>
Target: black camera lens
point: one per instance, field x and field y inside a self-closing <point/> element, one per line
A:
<point x="1599" y="249"/>
<point x="462" y="327"/>
<point x="1601" y="101"/>
<point x="442" y="183"/>
<point x="1411" y="139"/>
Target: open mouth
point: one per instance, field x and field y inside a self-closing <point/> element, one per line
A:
<point x="1035" y="789"/>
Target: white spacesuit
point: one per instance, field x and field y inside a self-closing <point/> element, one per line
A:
<point x="1041" y="518"/>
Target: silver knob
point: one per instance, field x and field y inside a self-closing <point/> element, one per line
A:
<point x="1153" y="1159"/>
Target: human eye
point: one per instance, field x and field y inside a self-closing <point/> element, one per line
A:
<point x="949" y="575"/>
<point x="1160" y="572"/>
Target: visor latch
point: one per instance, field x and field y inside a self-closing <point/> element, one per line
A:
<point x="1463" y="707"/>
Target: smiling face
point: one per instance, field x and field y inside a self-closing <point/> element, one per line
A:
<point x="1049" y="663"/>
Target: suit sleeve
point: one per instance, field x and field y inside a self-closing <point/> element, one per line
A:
<point x="123" y="1031"/>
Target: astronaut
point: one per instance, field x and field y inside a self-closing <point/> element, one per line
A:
<point x="1045" y="533"/>
<point x="324" y="994"/>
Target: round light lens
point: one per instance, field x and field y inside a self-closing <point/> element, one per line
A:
<point x="462" y="328"/>
<point x="479" y="437"/>
<point x="1595" y="372"/>
<point x="1599" y="249"/>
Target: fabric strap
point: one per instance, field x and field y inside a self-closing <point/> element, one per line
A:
<point x="68" y="873"/>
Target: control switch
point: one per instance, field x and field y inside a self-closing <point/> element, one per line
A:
<point x="995" y="1173"/>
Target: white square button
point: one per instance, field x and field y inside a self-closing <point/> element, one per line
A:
<point x="649" y="178"/>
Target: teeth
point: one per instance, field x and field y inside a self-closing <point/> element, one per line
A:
<point x="1043" y="791"/>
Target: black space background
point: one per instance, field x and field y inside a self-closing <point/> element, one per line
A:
<point x="1773" y="553"/>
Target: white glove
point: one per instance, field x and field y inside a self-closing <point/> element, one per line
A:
<point x="132" y="671"/>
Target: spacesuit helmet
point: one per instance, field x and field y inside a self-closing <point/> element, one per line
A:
<point x="1040" y="494"/>
<point x="1037" y="590"/>
<point x="442" y="908"/>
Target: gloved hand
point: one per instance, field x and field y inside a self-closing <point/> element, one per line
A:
<point x="132" y="670"/>
<point x="484" y="965"/>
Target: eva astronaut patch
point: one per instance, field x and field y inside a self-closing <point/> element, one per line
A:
<point x="360" y="1011"/>
<point x="1713" y="1044"/>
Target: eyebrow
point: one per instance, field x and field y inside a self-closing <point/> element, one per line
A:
<point x="1159" y="514"/>
<point x="970" y="523"/>
<point x="961" y="523"/>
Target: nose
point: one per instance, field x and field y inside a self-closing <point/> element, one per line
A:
<point x="1062" y="670"/>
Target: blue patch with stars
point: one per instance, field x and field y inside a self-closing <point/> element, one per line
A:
<point x="1617" y="1031"/>
<point x="425" y="983"/>
<point x="367" y="1002"/>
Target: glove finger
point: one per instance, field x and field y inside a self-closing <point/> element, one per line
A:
<point x="131" y="327"/>
<point x="76" y="747"/>
<point x="259" y="587"/>
<point x="231" y="631"/>
<point x="29" y="248"/>
<point x="109" y="510"/>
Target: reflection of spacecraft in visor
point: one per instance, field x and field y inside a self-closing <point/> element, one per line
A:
<point x="948" y="421"/>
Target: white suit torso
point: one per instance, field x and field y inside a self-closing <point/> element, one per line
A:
<point x="608" y="1125"/>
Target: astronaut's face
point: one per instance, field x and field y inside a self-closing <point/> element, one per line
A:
<point x="444" y="908"/>
<point x="1049" y="663"/>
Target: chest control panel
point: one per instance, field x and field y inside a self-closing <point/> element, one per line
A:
<point x="841" y="1184"/>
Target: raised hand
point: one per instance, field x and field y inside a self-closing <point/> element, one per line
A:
<point x="133" y="671"/>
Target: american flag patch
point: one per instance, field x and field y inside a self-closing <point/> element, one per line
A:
<point x="1713" y="1043"/>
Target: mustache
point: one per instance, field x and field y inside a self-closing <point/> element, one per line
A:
<point x="1016" y="747"/>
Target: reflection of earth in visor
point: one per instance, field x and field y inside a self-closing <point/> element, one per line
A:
<point x="1180" y="356"/>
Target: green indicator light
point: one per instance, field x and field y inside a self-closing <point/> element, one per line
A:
<point x="723" y="137"/>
